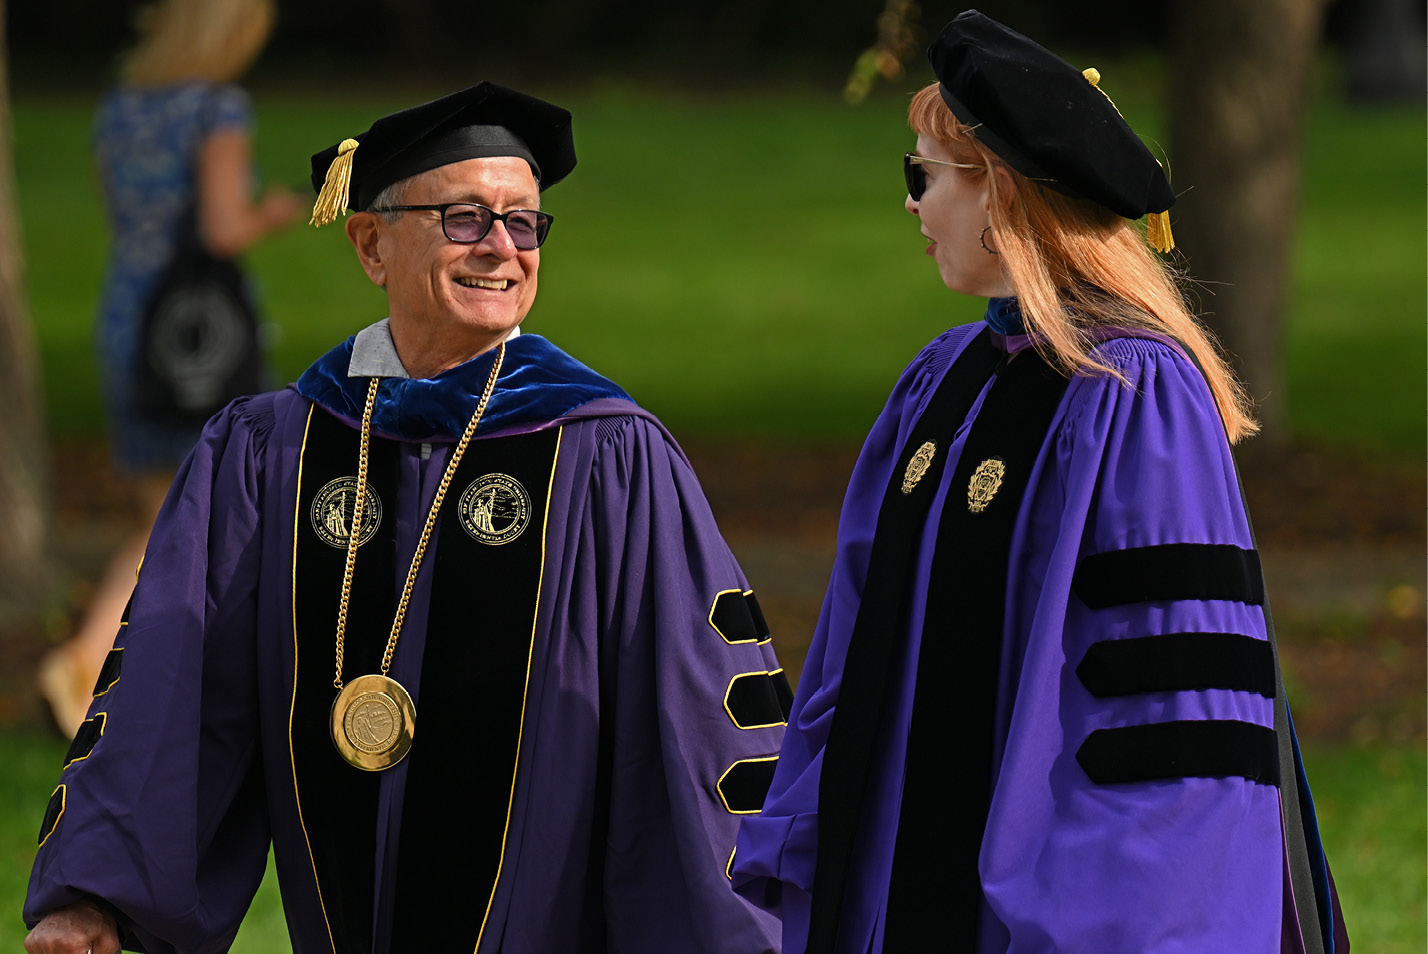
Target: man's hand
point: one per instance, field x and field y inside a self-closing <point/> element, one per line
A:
<point x="79" y="928"/>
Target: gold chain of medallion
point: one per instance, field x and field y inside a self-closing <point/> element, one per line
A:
<point x="446" y="478"/>
<point x="356" y="528"/>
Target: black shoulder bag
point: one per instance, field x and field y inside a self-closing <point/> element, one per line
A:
<point x="199" y="346"/>
<point x="199" y="337"/>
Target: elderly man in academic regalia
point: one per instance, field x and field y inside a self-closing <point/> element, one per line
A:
<point x="533" y="735"/>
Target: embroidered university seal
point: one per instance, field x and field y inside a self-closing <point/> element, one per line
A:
<point x="918" y="466"/>
<point x="495" y="509"/>
<point x="986" y="481"/>
<point x="331" y="512"/>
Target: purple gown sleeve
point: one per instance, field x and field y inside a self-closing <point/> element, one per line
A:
<point x="676" y="795"/>
<point x="163" y="814"/>
<point x="1069" y="865"/>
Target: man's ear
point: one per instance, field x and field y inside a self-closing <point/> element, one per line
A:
<point x="363" y="230"/>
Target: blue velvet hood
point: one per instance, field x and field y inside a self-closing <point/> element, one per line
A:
<point x="538" y="383"/>
<point x="1004" y="316"/>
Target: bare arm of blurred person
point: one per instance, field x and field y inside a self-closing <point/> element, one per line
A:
<point x="229" y="218"/>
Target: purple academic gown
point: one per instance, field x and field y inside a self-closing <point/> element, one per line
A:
<point x="1066" y="865"/>
<point x="618" y="824"/>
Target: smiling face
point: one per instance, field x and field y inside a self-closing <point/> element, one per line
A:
<point x="953" y="210"/>
<point x="450" y="302"/>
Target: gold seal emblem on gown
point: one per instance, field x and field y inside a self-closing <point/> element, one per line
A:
<point x="986" y="481"/>
<point x="495" y="509"/>
<point x="331" y="512"/>
<point x="916" y="467"/>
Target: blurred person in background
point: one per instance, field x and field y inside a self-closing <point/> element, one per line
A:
<point x="173" y="144"/>
<point x="1042" y="710"/>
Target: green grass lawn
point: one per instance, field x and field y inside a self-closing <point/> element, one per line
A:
<point x="1357" y="343"/>
<point x="746" y="267"/>
<point x="1370" y="803"/>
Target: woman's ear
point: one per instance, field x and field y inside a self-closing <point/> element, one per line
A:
<point x="1005" y="188"/>
<point x="363" y="231"/>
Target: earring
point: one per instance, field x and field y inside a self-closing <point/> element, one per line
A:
<point x="983" y="240"/>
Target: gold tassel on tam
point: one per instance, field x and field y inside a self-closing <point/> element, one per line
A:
<point x="1093" y="76"/>
<point x="332" y="200"/>
<point x="1157" y="231"/>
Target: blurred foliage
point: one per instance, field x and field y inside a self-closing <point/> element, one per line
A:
<point x="896" y="45"/>
<point x="719" y="44"/>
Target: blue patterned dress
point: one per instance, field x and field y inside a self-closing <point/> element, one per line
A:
<point x="146" y="140"/>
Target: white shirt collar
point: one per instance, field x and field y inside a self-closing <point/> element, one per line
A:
<point x="375" y="356"/>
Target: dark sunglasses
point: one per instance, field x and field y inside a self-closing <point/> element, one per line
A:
<point x="916" y="177"/>
<point x="467" y="223"/>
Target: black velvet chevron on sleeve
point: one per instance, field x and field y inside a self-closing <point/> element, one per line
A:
<point x="1172" y="571"/>
<point x="737" y="618"/>
<point x="109" y="672"/>
<point x="53" y="811"/>
<point x="1188" y="749"/>
<point x="1177" y="662"/>
<point x="88" y="736"/>
<point x="754" y="700"/>
<point x="745" y="784"/>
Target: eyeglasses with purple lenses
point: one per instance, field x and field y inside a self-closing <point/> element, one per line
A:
<point x="467" y="223"/>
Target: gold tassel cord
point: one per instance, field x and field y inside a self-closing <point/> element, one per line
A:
<point x="332" y="200"/>
<point x="1157" y="231"/>
<point x="1093" y="76"/>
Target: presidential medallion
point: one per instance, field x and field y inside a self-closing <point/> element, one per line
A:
<point x="918" y="466"/>
<point x="372" y="719"/>
<point x="331" y="512"/>
<point x="495" y="509"/>
<point x="986" y="481"/>
<point x="372" y="722"/>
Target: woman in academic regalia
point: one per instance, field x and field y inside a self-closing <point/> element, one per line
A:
<point x="1042" y="709"/>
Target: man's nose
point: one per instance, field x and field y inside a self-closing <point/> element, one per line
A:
<point x="497" y="242"/>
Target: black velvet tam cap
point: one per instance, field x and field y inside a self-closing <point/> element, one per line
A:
<point x="1047" y="119"/>
<point x="484" y="120"/>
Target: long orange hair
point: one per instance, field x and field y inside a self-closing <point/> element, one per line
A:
<point x="1077" y="268"/>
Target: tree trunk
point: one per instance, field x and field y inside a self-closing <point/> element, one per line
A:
<point x="23" y="501"/>
<point x="1239" y="74"/>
